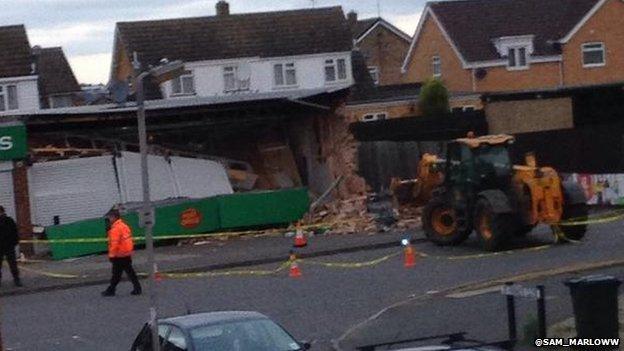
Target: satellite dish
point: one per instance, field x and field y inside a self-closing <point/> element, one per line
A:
<point x="244" y="71"/>
<point x="120" y="91"/>
<point x="480" y="73"/>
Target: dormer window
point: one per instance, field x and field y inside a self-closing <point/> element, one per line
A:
<point x="517" y="50"/>
<point x="517" y="58"/>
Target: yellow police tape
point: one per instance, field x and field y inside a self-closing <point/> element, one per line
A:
<point x="595" y="219"/>
<point x="217" y="235"/>
<point x="607" y="217"/>
<point x="483" y="255"/>
<point x="237" y="272"/>
<point x="286" y="264"/>
<point x="351" y="264"/>
<point x="51" y="274"/>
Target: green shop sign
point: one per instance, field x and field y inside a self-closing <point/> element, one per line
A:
<point x="13" y="143"/>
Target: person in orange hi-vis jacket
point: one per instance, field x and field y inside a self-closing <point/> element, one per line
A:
<point x="120" y="249"/>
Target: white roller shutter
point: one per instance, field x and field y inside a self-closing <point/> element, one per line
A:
<point x="200" y="178"/>
<point x="162" y="183"/>
<point x="73" y="189"/>
<point x="7" y="197"/>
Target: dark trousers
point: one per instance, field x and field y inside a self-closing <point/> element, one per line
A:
<point x="120" y="265"/>
<point x="11" y="259"/>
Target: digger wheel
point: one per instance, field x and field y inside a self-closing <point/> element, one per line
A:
<point x="575" y="212"/>
<point x="440" y="223"/>
<point x="494" y="229"/>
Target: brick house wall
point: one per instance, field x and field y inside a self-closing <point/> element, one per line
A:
<point x="22" y="204"/>
<point x="384" y="49"/>
<point x="433" y="43"/>
<point x="606" y="26"/>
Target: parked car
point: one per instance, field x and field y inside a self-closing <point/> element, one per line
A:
<point x="219" y="331"/>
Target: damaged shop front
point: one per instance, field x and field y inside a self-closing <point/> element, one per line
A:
<point x="199" y="147"/>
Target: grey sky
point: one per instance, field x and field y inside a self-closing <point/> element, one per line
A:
<point x="85" y="27"/>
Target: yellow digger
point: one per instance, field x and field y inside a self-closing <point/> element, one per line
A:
<point x="477" y="188"/>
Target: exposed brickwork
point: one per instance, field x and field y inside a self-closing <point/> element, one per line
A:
<point x="22" y="205"/>
<point x="384" y="49"/>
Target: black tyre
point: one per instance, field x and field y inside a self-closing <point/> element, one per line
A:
<point x="440" y="223"/>
<point x="524" y="229"/>
<point x="574" y="212"/>
<point x="494" y="229"/>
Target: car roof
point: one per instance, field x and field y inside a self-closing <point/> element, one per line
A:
<point x="201" y="319"/>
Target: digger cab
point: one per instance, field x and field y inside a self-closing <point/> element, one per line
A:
<point x="482" y="163"/>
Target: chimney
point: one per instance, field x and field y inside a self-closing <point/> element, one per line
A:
<point x="352" y="18"/>
<point x="223" y="8"/>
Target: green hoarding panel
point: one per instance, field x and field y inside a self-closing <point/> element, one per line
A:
<point x="262" y="208"/>
<point x="224" y="212"/>
<point x="13" y="143"/>
<point x="191" y="217"/>
<point x="92" y="228"/>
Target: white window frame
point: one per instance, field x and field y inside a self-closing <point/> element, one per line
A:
<point x="374" y="116"/>
<point x="183" y="87"/>
<point x="602" y="49"/>
<point x="285" y="67"/>
<point x="333" y="63"/>
<point x="436" y="66"/>
<point x="238" y="83"/>
<point x="516" y="55"/>
<point x="374" y="73"/>
<point x="4" y="96"/>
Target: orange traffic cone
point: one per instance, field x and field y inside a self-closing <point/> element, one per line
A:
<point x="410" y="256"/>
<point x="300" y="238"/>
<point x="157" y="276"/>
<point x="295" y="272"/>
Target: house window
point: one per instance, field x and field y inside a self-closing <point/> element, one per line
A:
<point x="374" y="73"/>
<point x="335" y="70"/>
<point x="8" y="97"/>
<point x="517" y="57"/>
<point x="231" y="80"/>
<point x="593" y="55"/>
<point x="184" y="84"/>
<point x="436" y="63"/>
<point x="284" y="74"/>
<point x="377" y="116"/>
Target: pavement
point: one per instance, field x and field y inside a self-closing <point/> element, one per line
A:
<point x="205" y="255"/>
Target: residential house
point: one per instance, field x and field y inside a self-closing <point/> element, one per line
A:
<point x="518" y="45"/>
<point x="58" y="86"/>
<point x="231" y="54"/>
<point x="383" y="45"/>
<point x="18" y="77"/>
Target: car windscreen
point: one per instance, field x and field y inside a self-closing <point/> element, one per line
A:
<point x="249" y="335"/>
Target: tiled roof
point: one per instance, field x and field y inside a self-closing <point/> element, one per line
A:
<point x="268" y="34"/>
<point x="55" y="73"/>
<point x="15" y="56"/>
<point x="474" y="24"/>
<point x="361" y="26"/>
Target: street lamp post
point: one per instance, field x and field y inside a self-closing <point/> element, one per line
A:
<point x="161" y="73"/>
